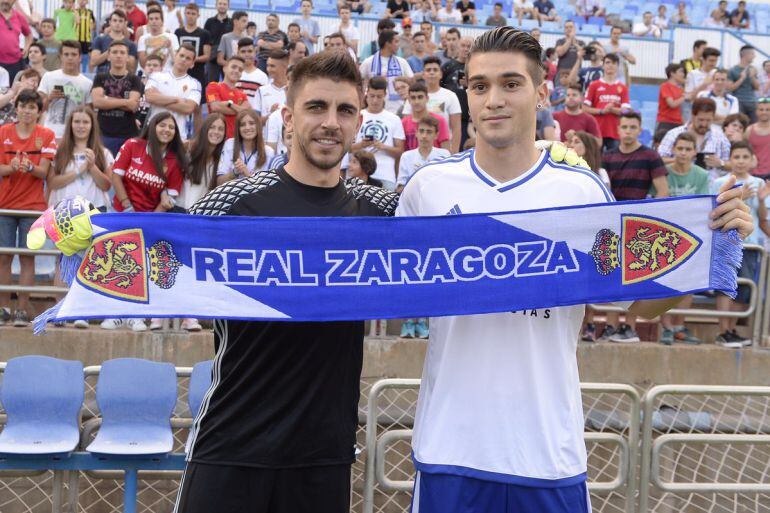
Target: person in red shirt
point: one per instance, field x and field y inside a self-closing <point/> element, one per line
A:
<point x="670" y="98"/>
<point x="136" y="17"/>
<point x="572" y="119"/>
<point x="27" y="152"/>
<point x="147" y="174"/>
<point x="14" y="24"/>
<point x="418" y="100"/>
<point x="225" y="98"/>
<point x="606" y="98"/>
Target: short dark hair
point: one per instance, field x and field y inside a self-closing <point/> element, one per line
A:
<point x="385" y="37"/>
<point x="338" y="35"/>
<point x="686" y="136"/>
<point x="430" y="121"/>
<point x="187" y="46"/>
<point x="454" y="30"/>
<point x="385" y="24"/>
<point x="498" y="4"/>
<point x="419" y="34"/>
<point x="245" y="41"/>
<point x="745" y="48"/>
<point x="616" y="27"/>
<point x="293" y="45"/>
<point x="278" y="55"/>
<point x="336" y="66"/>
<point x="29" y="96"/>
<point x="378" y="84"/>
<point x="192" y="6"/>
<point x="509" y="39"/>
<point x="418" y="87"/>
<point x="154" y="57"/>
<point x="48" y="20"/>
<point x="343" y="6"/>
<point x="711" y="52"/>
<point x="155" y="10"/>
<point x="703" y="105"/>
<point x="631" y="114"/>
<point x="672" y="68"/>
<point x="612" y="57"/>
<point x="69" y="43"/>
<point x="237" y="15"/>
<point x="119" y="42"/>
<point x="251" y="24"/>
<point x="367" y="161"/>
<point x="293" y="24"/>
<point x="575" y="86"/>
<point x="40" y="46"/>
<point x="698" y="43"/>
<point x="236" y="58"/>
<point x="741" y="145"/>
<point x="119" y="13"/>
<point x="431" y="59"/>
<point x="740" y="117"/>
<point x="721" y="71"/>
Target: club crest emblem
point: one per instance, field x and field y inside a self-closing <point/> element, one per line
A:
<point x="646" y="248"/>
<point x="119" y="265"/>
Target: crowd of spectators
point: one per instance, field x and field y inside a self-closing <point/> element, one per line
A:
<point x="150" y="109"/>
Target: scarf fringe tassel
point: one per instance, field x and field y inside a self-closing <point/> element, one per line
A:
<point x="727" y="259"/>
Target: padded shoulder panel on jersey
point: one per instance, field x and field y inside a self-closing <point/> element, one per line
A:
<point x="383" y="199"/>
<point x="219" y="201"/>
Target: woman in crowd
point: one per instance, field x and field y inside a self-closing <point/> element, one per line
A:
<point x="147" y="177"/>
<point x="586" y="146"/>
<point x="362" y="165"/>
<point x="734" y="127"/>
<point x="205" y="155"/>
<point x="82" y="167"/>
<point x="245" y="154"/>
<point x="27" y="79"/>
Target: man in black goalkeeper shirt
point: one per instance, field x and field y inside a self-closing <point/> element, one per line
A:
<point x="276" y="431"/>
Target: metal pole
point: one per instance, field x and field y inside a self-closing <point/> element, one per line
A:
<point x="129" y="495"/>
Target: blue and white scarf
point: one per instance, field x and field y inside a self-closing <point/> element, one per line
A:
<point x="329" y="269"/>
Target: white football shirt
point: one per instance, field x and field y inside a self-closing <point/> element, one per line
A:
<point x="385" y="127"/>
<point x="500" y="397"/>
<point x="185" y="87"/>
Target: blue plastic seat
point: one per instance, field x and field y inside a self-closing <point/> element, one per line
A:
<point x="590" y="29"/>
<point x="136" y="399"/>
<point x="200" y="380"/>
<point x="597" y="20"/>
<point x="42" y="397"/>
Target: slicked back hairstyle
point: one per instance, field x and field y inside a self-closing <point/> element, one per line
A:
<point x="378" y="84"/>
<point x="336" y="66"/>
<point x="508" y="39"/>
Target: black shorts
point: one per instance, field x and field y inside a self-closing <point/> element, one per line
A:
<point x="230" y="489"/>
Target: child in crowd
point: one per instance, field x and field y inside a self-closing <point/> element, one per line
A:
<point x="741" y="163"/>
<point x="51" y="44"/>
<point x="362" y="165"/>
<point x="152" y="64"/>
<point x="559" y="93"/>
<point x="67" y="21"/>
<point x="685" y="178"/>
<point x="28" y="80"/>
<point x="27" y="151"/>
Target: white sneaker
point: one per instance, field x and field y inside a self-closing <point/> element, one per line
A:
<point x="191" y="325"/>
<point x="156" y="324"/>
<point x="111" y="324"/>
<point x="81" y="324"/>
<point x="137" y="325"/>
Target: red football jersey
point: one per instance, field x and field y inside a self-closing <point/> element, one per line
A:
<point x="221" y="92"/>
<point x="142" y="183"/>
<point x="600" y="95"/>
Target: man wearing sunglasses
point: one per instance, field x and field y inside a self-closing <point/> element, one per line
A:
<point x="14" y="24"/>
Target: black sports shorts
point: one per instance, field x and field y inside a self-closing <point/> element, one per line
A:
<point x="230" y="489"/>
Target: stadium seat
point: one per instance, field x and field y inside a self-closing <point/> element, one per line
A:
<point x="200" y="380"/>
<point x="591" y="29"/>
<point x="552" y="26"/>
<point x="42" y="397"/>
<point x="597" y="20"/>
<point x="136" y="399"/>
<point x="529" y="24"/>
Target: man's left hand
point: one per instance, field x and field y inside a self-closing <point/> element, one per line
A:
<point x="731" y="212"/>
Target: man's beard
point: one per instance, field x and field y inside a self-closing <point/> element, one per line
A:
<point x="320" y="164"/>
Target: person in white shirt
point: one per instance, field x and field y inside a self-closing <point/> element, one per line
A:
<point x="272" y="95"/>
<point x="245" y="154"/>
<point x="661" y="20"/>
<point x="176" y="92"/>
<point x="274" y="130"/>
<point x="252" y="78"/>
<point x="646" y="28"/>
<point x="155" y="40"/>
<point x="449" y="14"/>
<point x="726" y="103"/>
<point x="385" y="63"/>
<point x="172" y="17"/>
<point x="700" y="79"/>
<point x="441" y="101"/>
<point x="347" y="29"/>
<point x="412" y="160"/>
<point x="64" y="89"/>
<point x="499" y="422"/>
<point x="381" y="133"/>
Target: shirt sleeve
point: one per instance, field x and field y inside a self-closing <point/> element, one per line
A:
<point x="123" y="159"/>
<point x="625" y="101"/>
<point x="398" y="129"/>
<point x="403" y="165"/>
<point x="174" y="43"/>
<point x="735" y="106"/>
<point x="212" y="92"/>
<point x="409" y="202"/>
<point x="443" y="130"/>
<point x="724" y="147"/>
<point x="589" y="99"/>
<point x="226" y="161"/>
<point x="667" y="144"/>
<point x="45" y="84"/>
<point x="48" y="151"/>
<point x="194" y="92"/>
<point x="593" y="127"/>
<point x="152" y="82"/>
<point x="453" y="106"/>
<point x="24" y="26"/>
<point x="657" y="167"/>
<point x="132" y="49"/>
<point x="174" y="179"/>
<point x="137" y="85"/>
<point x="142" y="44"/>
<point x="273" y="129"/>
<point x="406" y="69"/>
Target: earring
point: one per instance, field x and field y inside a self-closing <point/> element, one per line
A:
<point x="539" y="106"/>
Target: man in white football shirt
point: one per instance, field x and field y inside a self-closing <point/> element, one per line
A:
<point x="176" y="91"/>
<point x="381" y="133"/>
<point x="499" y="425"/>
